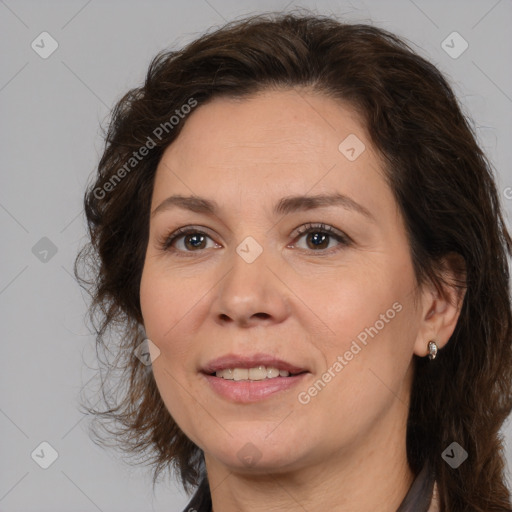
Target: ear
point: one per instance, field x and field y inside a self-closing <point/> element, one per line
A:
<point x="440" y="309"/>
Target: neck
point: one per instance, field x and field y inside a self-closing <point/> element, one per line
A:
<point x="372" y="474"/>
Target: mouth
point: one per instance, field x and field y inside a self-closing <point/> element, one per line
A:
<point x="251" y="378"/>
<point x="260" y="372"/>
<point x="251" y="367"/>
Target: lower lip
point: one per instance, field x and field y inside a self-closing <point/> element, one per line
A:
<point x="252" y="390"/>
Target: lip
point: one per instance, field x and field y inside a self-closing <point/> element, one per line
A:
<point x="249" y="361"/>
<point x="246" y="391"/>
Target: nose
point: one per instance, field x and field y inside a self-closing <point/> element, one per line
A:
<point x="251" y="293"/>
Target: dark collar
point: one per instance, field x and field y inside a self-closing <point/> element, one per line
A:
<point x="419" y="495"/>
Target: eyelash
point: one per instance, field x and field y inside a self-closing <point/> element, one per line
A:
<point x="345" y="241"/>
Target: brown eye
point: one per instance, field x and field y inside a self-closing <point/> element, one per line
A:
<point x="186" y="240"/>
<point x="318" y="240"/>
<point x="318" y="237"/>
<point x="194" y="241"/>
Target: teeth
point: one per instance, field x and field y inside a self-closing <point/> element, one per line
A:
<point x="257" y="373"/>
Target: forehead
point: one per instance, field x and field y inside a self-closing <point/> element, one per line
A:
<point x="287" y="141"/>
<point x="271" y="122"/>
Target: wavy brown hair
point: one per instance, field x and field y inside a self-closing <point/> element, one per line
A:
<point x="441" y="180"/>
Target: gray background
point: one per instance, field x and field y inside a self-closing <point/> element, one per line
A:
<point x="51" y="110"/>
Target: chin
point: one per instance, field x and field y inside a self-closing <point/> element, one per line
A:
<point x="240" y="454"/>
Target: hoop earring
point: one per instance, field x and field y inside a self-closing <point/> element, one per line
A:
<point x="432" y="350"/>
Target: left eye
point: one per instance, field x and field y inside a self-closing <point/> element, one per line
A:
<point x="322" y="235"/>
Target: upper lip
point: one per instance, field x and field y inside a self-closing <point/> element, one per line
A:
<point x="249" y="361"/>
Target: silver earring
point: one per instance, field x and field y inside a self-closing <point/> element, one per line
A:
<point x="432" y="350"/>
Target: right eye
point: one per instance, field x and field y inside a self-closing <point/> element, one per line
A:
<point x="191" y="240"/>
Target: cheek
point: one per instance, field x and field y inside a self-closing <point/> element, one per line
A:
<point x="365" y="369"/>
<point x="163" y="305"/>
<point x="372" y="324"/>
<point x="164" y="297"/>
<point x="164" y="310"/>
<point x="173" y="309"/>
<point x="359" y="299"/>
<point x="154" y="304"/>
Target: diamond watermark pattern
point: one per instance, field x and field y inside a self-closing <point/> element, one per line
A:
<point x="44" y="250"/>
<point x="454" y="455"/>
<point x="249" y="454"/>
<point x="249" y="249"/>
<point x="44" y="45"/>
<point x="351" y="147"/>
<point x="147" y="352"/>
<point x="45" y="455"/>
<point x="454" y="45"/>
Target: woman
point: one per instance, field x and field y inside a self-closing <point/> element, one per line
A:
<point x="296" y="215"/>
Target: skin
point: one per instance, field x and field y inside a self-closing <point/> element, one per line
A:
<point x="344" y="450"/>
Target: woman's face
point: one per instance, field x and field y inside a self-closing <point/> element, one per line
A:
<point x="249" y="281"/>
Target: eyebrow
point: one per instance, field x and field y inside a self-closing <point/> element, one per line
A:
<point x="285" y="205"/>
